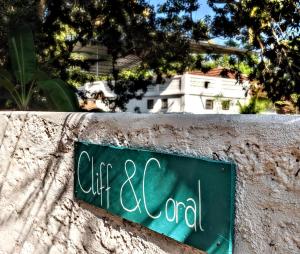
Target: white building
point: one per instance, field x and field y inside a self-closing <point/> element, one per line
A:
<point x="194" y="92"/>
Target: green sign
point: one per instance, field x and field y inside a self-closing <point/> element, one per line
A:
<point x="188" y="199"/>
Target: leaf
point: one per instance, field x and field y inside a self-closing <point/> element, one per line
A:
<point x="251" y="35"/>
<point x="22" y="53"/>
<point x="254" y="11"/>
<point x="6" y="82"/>
<point x="41" y="75"/>
<point x="59" y="95"/>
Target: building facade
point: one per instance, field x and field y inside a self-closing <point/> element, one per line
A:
<point x="195" y="92"/>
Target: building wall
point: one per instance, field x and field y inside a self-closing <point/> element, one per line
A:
<point x="38" y="213"/>
<point x="193" y="95"/>
<point x="174" y="105"/>
<point x="227" y="88"/>
<point x="197" y="104"/>
<point x="217" y="90"/>
<point x="185" y="93"/>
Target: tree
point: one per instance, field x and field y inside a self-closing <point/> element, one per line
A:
<point x="161" y="41"/>
<point x="60" y="25"/>
<point x="255" y="106"/>
<point x="270" y="27"/>
<point x="165" y="48"/>
<point x="14" y="12"/>
<point x="26" y="83"/>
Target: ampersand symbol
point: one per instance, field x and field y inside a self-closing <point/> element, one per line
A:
<point x="137" y="201"/>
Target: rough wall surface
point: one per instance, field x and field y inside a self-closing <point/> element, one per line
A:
<point x="38" y="213"/>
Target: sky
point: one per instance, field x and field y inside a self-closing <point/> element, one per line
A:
<point x="204" y="8"/>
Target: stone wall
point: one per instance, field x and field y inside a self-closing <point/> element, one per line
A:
<point x="38" y="213"/>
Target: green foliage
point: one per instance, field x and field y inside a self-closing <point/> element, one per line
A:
<point x="225" y="104"/>
<point x="235" y="63"/>
<point x="130" y="84"/>
<point x="160" y="40"/>
<point x="28" y="83"/>
<point x="136" y="72"/>
<point x="77" y="77"/>
<point x="288" y="106"/>
<point x="255" y="106"/>
<point x="270" y="27"/>
<point x="58" y="94"/>
<point x="22" y="54"/>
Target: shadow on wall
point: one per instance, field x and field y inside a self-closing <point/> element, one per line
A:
<point x="33" y="210"/>
<point x="38" y="213"/>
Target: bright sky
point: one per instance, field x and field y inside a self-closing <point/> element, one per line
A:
<point x="204" y="8"/>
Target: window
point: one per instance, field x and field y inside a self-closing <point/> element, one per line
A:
<point x="164" y="104"/>
<point x="209" y="104"/>
<point x="137" y="110"/>
<point x="225" y="105"/>
<point x="150" y="104"/>
<point x="206" y="83"/>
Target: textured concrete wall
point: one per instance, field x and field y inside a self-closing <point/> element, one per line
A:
<point x="38" y="213"/>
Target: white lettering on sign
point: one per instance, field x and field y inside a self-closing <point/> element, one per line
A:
<point x="137" y="206"/>
<point x="144" y="193"/>
<point x="78" y="175"/>
<point x="192" y="208"/>
<point x="99" y="179"/>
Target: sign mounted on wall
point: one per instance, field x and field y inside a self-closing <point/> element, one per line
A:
<point x="188" y="199"/>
